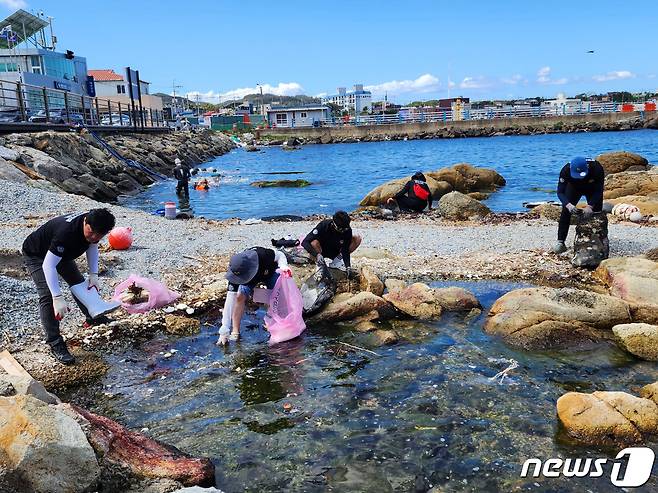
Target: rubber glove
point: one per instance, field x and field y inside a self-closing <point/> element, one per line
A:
<point x="570" y="207"/>
<point x="60" y="307"/>
<point x="94" y="282"/>
<point x="225" y="328"/>
<point x="588" y="212"/>
<point x="319" y="260"/>
<point x="286" y="272"/>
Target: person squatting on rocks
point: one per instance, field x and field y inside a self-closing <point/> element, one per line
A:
<point x="333" y="239"/>
<point x="580" y="177"/>
<point x="415" y="195"/>
<point x="246" y="271"/>
<point x="52" y="250"/>
<point x="182" y="174"/>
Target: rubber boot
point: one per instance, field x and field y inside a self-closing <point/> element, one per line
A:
<point x="90" y="298"/>
<point x="227" y="314"/>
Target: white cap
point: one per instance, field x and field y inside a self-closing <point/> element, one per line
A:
<point x="177" y="161"/>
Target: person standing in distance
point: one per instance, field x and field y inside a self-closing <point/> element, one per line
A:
<point x="183" y="175"/>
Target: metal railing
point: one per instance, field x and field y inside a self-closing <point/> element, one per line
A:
<point x="24" y="103"/>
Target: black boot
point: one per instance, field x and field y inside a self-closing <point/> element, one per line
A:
<point x="61" y="353"/>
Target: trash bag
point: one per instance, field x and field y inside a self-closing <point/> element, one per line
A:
<point x="317" y="290"/>
<point x="158" y="294"/>
<point x="591" y="244"/>
<point x="284" y="316"/>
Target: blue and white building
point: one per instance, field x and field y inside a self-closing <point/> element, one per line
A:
<point x="356" y="101"/>
<point x="305" y="115"/>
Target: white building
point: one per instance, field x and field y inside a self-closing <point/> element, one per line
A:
<point x="113" y="86"/>
<point x="356" y="101"/>
<point x="307" y="115"/>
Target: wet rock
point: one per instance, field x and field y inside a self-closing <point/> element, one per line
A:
<point x="281" y="183"/>
<point x="348" y="307"/>
<point x="144" y="457"/>
<point x="540" y="318"/>
<point x="385" y="337"/>
<point x="639" y="339"/>
<point x="197" y="489"/>
<point x="616" y="162"/>
<point x="365" y="326"/>
<point x="417" y="301"/>
<point x="456" y="299"/>
<point x="591" y="244"/>
<point x="28" y="386"/>
<point x="393" y="284"/>
<point x="55" y="376"/>
<point x="182" y="326"/>
<point x="370" y="282"/>
<point x="455" y="206"/>
<point x="43" y="449"/>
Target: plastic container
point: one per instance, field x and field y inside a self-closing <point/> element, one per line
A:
<point x="170" y="210"/>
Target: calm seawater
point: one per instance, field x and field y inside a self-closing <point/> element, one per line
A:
<point x="342" y="174"/>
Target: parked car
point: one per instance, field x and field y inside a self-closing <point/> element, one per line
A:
<point x="57" y="115"/>
<point x="10" y="115"/>
<point x="116" y="122"/>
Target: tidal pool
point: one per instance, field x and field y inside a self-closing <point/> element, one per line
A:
<point x="315" y="415"/>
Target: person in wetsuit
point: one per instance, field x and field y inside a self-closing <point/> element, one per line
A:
<point x="333" y="238"/>
<point x="579" y="177"/>
<point x="415" y="195"/>
<point x="52" y="250"/>
<point x="247" y="270"/>
<point x="183" y="175"/>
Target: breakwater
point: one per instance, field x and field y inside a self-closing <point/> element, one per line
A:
<point x="590" y="122"/>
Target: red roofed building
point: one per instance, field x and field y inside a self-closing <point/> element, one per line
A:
<point x="113" y="86"/>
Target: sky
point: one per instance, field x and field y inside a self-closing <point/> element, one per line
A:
<point x="408" y="50"/>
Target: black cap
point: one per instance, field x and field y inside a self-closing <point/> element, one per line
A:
<point x="418" y="175"/>
<point x="342" y="220"/>
<point x="243" y="267"/>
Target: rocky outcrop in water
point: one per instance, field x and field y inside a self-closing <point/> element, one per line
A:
<point x="425" y="303"/>
<point x="77" y="163"/>
<point x="639" y="339"/>
<point x="618" y="161"/>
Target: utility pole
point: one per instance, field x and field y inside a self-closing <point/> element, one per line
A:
<point x="262" y="103"/>
<point x="175" y="103"/>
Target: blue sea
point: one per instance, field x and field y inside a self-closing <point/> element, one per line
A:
<point x="342" y="174"/>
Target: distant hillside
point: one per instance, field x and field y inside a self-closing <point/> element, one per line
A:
<point x="253" y="98"/>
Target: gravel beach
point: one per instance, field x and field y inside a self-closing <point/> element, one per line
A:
<point x="424" y="244"/>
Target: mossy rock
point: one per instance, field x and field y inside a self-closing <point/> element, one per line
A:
<point x="281" y="183"/>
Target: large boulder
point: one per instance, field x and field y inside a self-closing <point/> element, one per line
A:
<point x="639" y="339"/>
<point x="466" y="178"/>
<point x="425" y="303"/>
<point x="539" y="318"/>
<point x="9" y="172"/>
<point x="631" y="183"/>
<point x="26" y="385"/>
<point x="616" y="162"/>
<point x="456" y="206"/>
<point x="607" y="418"/>
<point x="51" y="169"/>
<point x="43" y="449"/>
<point x="347" y="307"/>
<point x="591" y="244"/>
<point x="382" y="193"/>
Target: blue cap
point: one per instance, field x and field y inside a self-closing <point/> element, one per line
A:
<point x="243" y="267"/>
<point x="579" y="168"/>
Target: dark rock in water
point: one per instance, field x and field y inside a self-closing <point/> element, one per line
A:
<point x="317" y="290"/>
<point x="283" y="218"/>
<point x="281" y="183"/>
<point x="251" y="148"/>
<point x="591" y="244"/>
<point x="195" y="171"/>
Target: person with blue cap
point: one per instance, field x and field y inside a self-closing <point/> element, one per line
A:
<point x="579" y="177"/>
<point x="248" y="269"/>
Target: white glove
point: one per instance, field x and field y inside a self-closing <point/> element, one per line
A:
<point x="60" y="307"/>
<point x="570" y="207"/>
<point x="94" y="282"/>
<point x="227" y="314"/>
<point x="588" y="212"/>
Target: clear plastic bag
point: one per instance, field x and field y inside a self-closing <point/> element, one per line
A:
<point x="158" y="294"/>
<point x="284" y="316"/>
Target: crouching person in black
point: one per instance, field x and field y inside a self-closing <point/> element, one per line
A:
<point x="333" y="239"/>
<point x="415" y="195"/>
<point x="52" y="250"/>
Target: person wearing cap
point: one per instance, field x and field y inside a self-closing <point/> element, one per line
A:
<point x="247" y="270"/>
<point x="579" y="177"/>
<point x="182" y="174"/>
<point x="415" y="195"/>
<point x="333" y="239"/>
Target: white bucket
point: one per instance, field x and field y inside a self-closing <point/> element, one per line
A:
<point x="170" y="210"/>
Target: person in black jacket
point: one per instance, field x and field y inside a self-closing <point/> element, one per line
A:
<point x="579" y="177"/>
<point x="333" y="239"/>
<point x="415" y="195"/>
<point x="182" y="174"/>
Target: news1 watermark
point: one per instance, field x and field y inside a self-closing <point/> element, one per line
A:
<point x="631" y="467"/>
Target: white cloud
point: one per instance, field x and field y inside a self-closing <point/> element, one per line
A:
<point x="544" y="77"/>
<point x="281" y="89"/>
<point x="14" y="4"/>
<point x="474" y="83"/>
<point x="424" y="83"/>
<point x="451" y="84"/>
<point x="514" y="80"/>
<point x="614" y="75"/>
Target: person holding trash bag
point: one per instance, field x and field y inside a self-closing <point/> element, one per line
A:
<point x="333" y="239"/>
<point x="414" y="196"/>
<point x="579" y="177"/>
<point x="183" y="175"/>
<point x="52" y="250"/>
<point x="247" y="270"/>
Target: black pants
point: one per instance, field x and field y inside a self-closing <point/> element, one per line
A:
<point x="573" y="196"/>
<point x="409" y="204"/>
<point x="71" y="275"/>
<point x="183" y="187"/>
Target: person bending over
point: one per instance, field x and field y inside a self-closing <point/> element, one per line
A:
<point x="579" y="177"/>
<point x="52" y="250"/>
<point x="333" y="239"/>
<point x="415" y="195"/>
<point x="247" y="270"/>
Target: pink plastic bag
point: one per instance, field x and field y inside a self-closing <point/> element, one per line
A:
<point x="284" y="315"/>
<point x="159" y="294"/>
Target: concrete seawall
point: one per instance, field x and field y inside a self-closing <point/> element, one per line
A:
<point x="466" y="128"/>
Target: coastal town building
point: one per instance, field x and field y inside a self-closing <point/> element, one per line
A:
<point x="308" y="115"/>
<point x="114" y="87"/>
<point x="357" y="101"/>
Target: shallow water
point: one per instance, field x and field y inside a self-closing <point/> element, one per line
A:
<point x="312" y="415"/>
<point x="342" y="174"/>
